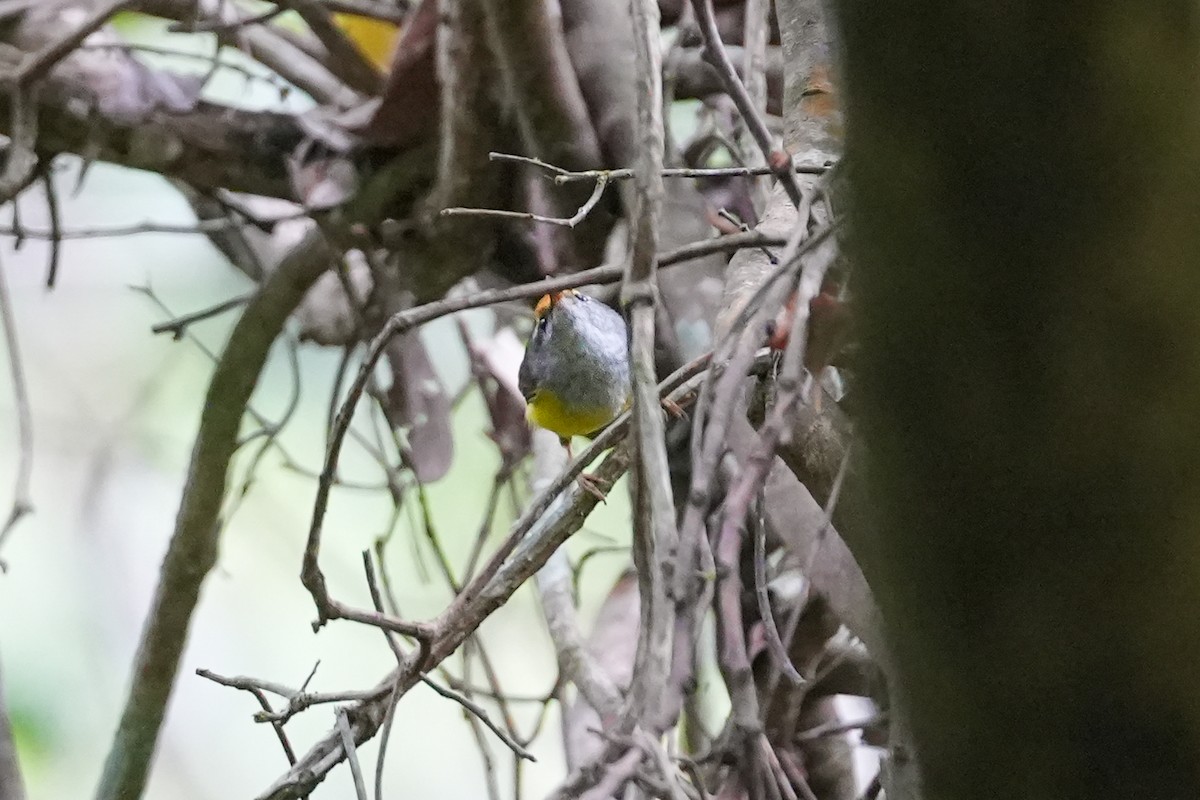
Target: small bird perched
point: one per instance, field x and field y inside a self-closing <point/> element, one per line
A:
<point x="575" y="374"/>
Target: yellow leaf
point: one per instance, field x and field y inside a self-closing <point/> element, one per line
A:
<point x="374" y="38"/>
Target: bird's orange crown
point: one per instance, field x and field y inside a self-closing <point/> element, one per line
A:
<point x="547" y="302"/>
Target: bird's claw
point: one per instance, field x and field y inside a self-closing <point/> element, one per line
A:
<point x="589" y="485"/>
<point x="673" y="408"/>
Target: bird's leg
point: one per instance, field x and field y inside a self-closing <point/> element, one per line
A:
<point x="585" y="481"/>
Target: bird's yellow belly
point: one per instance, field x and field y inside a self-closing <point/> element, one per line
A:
<point x="547" y="411"/>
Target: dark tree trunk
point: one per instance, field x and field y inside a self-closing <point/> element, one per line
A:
<point x="1026" y="223"/>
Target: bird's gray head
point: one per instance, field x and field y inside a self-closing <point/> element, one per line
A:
<point x="572" y="333"/>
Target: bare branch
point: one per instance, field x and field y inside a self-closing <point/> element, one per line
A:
<point x="558" y="604"/>
<point x="695" y="567"/>
<point x="54" y="212"/>
<point x="835" y="727"/>
<point x="201" y="227"/>
<point x="38" y="64"/>
<point x="389" y="11"/>
<point x="570" y="222"/>
<point x="177" y="326"/>
<point x="345" y="59"/>
<point x="477" y="711"/>
<point x="612" y="781"/>
<point x="398" y="324"/>
<point x="360" y="787"/>
<point x="655" y="535"/>
<point x="778" y="160"/>
<point x="561" y="175"/>
<point x="762" y="594"/>
<point x="266" y="46"/>
<point x="471" y="707"/>
<point x="260" y="695"/>
<point x="210" y="146"/>
<point x="547" y="522"/>
<point x="193" y="547"/>
<point x="538" y="79"/>
<point x="754" y="69"/>
<point x="297" y="699"/>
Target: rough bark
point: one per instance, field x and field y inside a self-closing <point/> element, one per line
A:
<point x="1026" y="188"/>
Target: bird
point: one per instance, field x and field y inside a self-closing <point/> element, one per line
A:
<point x="575" y="374"/>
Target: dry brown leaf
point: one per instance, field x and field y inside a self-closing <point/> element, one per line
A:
<point x="494" y="366"/>
<point x="417" y="402"/>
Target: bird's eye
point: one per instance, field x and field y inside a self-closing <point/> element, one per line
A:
<point x="543" y="324"/>
<point x="585" y="298"/>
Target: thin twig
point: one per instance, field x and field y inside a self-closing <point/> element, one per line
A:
<point x="485" y="752"/>
<point x="714" y="51"/>
<point x="215" y="63"/>
<point x="268" y="428"/>
<point x="836" y="727"/>
<point x="360" y="787"/>
<point x="385" y="737"/>
<point x="203" y="227"/>
<point x="570" y="222"/>
<point x="779" y="776"/>
<point x="298" y="700"/>
<point x="658" y="755"/>
<point x="22" y="502"/>
<point x="754" y="68"/>
<point x="261" y="696"/>
<point x="695" y="561"/>
<point x="394" y="697"/>
<point x="479" y="713"/>
<point x="734" y="658"/>
<point x="54" y="212"/>
<point x="177" y="326"/>
<point x="220" y="26"/>
<point x="274" y="50"/>
<point x="561" y="175"/>
<point x="468" y="705"/>
<point x="774" y="642"/>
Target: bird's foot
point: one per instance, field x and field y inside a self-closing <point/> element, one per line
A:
<point x="673" y="408"/>
<point x="588" y="484"/>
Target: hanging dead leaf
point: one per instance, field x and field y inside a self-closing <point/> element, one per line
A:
<point x="612" y="645"/>
<point x="417" y="402"/>
<point x="406" y="111"/>
<point x="494" y="366"/>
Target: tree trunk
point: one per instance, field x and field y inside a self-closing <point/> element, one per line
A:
<point x="1026" y="236"/>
